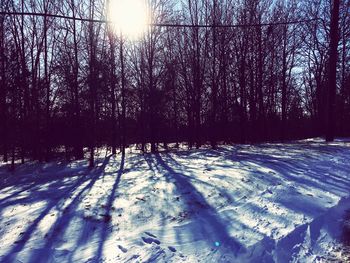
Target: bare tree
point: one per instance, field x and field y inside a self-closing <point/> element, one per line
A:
<point x="332" y="74"/>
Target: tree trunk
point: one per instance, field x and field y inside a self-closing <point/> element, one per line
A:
<point x="77" y="136"/>
<point x="213" y="130"/>
<point x="123" y="140"/>
<point x="3" y="91"/>
<point x="47" y="85"/>
<point x="332" y="72"/>
<point x="92" y="86"/>
<point x="113" y="97"/>
<point x="284" y="85"/>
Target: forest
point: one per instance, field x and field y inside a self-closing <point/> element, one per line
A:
<point x="167" y="131"/>
<point x="203" y="72"/>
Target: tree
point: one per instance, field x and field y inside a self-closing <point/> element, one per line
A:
<point x="332" y="74"/>
<point x="3" y="85"/>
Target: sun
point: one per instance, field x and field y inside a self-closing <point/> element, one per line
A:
<point x="129" y="17"/>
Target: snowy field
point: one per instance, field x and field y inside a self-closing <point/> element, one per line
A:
<point x="261" y="203"/>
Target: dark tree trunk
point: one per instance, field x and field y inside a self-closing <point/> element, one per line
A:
<point x="123" y="117"/>
<point x="113" y="97"/>
<point x="332" y="72"/>
<point x="92" y="86"/>
<point x="284" y="86"/>
<point x="242" y="112"/>
<point x="152" y="100"/>
<point x="77" y="136"/>
<point x="213" y="129"/>
<point x="47" y="85"/>
<point x="3" y="91"/>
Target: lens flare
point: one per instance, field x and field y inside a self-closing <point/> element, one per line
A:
<point x="129" y="17"/>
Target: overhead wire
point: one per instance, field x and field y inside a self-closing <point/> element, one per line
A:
<point x="174" y="25"/>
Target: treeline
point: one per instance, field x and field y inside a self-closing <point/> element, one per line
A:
<point x="69" y="85"/>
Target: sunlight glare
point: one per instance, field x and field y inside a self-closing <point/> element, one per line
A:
<point x="130" y="17"/>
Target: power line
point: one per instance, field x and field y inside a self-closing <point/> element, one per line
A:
<point x="162" y="24"/>
<point x="238" y="25"/>
<point x="54" y="16"/>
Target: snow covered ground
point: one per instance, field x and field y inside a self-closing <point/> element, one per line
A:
<point x="242" y="203"/>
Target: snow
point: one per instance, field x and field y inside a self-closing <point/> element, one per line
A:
<point x="242" y="203"/>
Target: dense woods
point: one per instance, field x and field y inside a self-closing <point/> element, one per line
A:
<point x="239" y="71"/>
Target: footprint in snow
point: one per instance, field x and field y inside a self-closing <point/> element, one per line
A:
<point x="150" y="240"/>
<point x="123" y="249"/>
<point x="150" y="234"/>
<point x="133" y="257"/>
<point x="268" y="191"/>
<point x="172" y="249"/>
